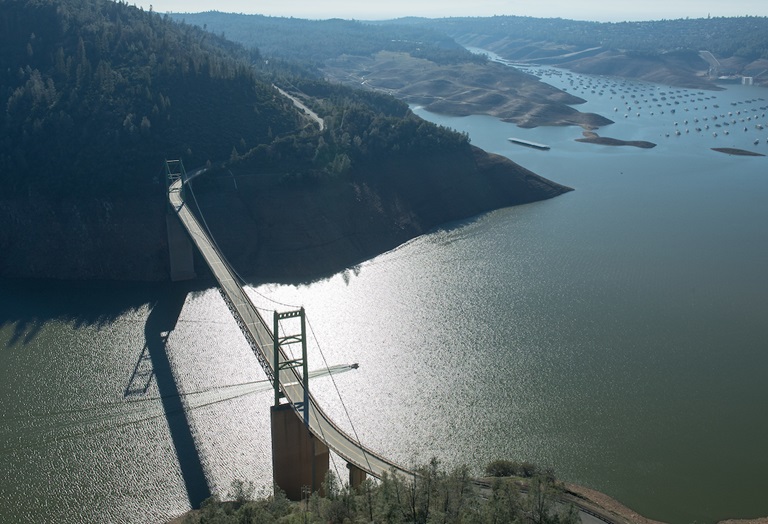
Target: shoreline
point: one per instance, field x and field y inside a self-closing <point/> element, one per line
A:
<point x="491" y="89"/>
<point x="604" y="505"/>
<point x="587" y="500"/>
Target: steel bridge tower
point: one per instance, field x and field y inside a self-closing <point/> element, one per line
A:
<point x="299" y="459"/>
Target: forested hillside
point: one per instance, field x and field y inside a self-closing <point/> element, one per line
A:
<point x="664" y="51"/>
<point x="96" y="94"/>
<point x="745" y="37"/>
<point x="657" y="49"/>
<point x="312" y="42"/>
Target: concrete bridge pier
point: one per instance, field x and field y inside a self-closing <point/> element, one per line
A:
<point x="356" y="476"/>
<point x="180" y="250"/>
<point x="298" y="458"/>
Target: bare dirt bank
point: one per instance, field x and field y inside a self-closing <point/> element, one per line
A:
<point x="605" y="506"/>
<point x="291" y="232"/>
<point x="678" y="68"/>
<point x="465" y="89"/>
<point x="617" y="512"/>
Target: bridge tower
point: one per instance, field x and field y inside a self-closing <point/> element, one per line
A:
<point x="182" y="265"/>
<point x="299" y="460"/>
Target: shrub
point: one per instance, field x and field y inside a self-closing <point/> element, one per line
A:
<point x="509" y="468"/>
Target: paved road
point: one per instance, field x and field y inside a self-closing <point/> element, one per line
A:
<point x="298" y="103"/>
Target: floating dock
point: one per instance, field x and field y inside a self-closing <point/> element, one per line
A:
<point x="528" y="143"/>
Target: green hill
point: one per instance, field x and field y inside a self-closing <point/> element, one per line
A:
<point x="98" y="93"/>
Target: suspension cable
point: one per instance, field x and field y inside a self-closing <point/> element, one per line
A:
<point x="338" y="393"/>
<point x="205" y="223"/>
<point x="289" y="351"/>
<point x="273" y="300"/>
<point x="241" y="280"/>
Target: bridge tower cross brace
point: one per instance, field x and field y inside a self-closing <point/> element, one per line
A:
<point x="174" y="171"/>
<point x="280" y="365"/>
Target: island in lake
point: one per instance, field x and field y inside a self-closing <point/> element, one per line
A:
<point x="590" y="137"/>
<point x="737" y="152"/>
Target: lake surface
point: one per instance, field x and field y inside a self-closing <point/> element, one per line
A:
<point x="616" y="333"/>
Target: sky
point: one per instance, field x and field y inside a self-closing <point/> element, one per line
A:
<point x="596" y="10"/>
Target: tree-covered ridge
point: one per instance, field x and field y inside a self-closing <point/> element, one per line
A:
<point x="744" y="37"/>
<point x="96" y="93"/>
<point x="312" y="42"/>
<point x="361" y="127"/>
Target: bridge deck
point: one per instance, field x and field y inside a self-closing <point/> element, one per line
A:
<point x="260" y="338"/>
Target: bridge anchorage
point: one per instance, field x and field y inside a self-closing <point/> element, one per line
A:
<point x="302" y="434"/>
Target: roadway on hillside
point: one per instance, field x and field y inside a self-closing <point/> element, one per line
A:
<point x="300" y="105"/>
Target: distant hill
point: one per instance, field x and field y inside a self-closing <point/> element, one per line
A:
<point x="312" y="42"/>
<point x="745" y="37"/>
<point x="665" y="51"/>
<point x="97" y="93"/>
<point x="412" y="61"/>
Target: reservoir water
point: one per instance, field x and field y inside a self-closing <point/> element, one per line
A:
<point x="616" y="333"/>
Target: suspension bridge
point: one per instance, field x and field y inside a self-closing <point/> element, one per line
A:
<point x="302" y="433"/>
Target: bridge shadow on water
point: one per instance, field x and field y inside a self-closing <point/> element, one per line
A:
<point x="27" y="306"/>
<point x="160" y="324"/>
